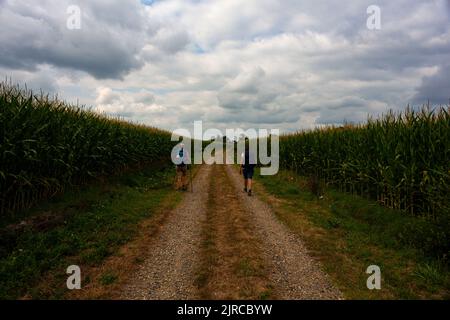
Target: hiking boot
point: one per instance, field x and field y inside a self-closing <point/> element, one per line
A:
<point x="245" y="190"/>
<point x="249" y="193"/>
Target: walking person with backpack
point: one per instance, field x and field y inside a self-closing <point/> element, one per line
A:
<point x="248" y="163"/>
<point x="182" y="160"/>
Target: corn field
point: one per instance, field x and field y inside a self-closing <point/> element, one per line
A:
<point x="402" y="159"/>
<point x="47" y="146"/>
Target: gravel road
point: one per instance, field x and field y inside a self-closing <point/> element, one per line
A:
<point x="168" y="271"/>
<point x="294" y="274"/>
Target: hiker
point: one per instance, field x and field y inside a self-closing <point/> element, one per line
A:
<point x="182" y="160"/>
<point x="248" y="163"/>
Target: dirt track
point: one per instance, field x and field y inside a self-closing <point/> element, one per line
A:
<point x="240" y="231"/>
<point x="294" y="274"/>
<point x="169" y="269"/>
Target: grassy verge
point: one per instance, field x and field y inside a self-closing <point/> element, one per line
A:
<point x="103" y="219"/>
<point x="348" y="233"/>
<point x="231" y="266"/>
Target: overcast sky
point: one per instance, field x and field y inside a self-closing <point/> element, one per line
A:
<point x="287" y="64"/>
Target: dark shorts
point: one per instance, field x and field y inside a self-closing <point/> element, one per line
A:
<point x="182" y="168"/>
<point x="248" y="172"/>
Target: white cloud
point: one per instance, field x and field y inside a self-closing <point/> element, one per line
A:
<point x="126" y="104"/>
<point x="288" y="64"/>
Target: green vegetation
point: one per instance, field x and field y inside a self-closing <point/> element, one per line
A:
<point x="347" y="233"/>
<point x="47" y="146"/>
<point x="400" y="160"/>
<point x="327" y="191"/>
<point x="105" y="216"/>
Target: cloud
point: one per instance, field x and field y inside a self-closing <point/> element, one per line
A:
<point x="285" y="64"/>
<point x="246" y="82"/>
<point x="351" y="109"/>
<point x="37" y="34"/>
<point x="435" y="88"/>
<point x="126" y="104"/>
<point x="246" y="91"/>
<point x="106" y="96"/>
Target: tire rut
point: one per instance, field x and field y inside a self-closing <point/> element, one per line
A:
<point x="168" y="271"/>
<point x="294" y="273"/>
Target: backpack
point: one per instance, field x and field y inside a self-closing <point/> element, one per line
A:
<point x="181" y="155"/>
<point x="247" y="159"/>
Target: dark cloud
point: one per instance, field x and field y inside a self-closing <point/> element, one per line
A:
<point x="123" y="14"/>
<point x="435" y="89"/>
<point x="104" y="47"/>
<point x="289" y="63"/>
